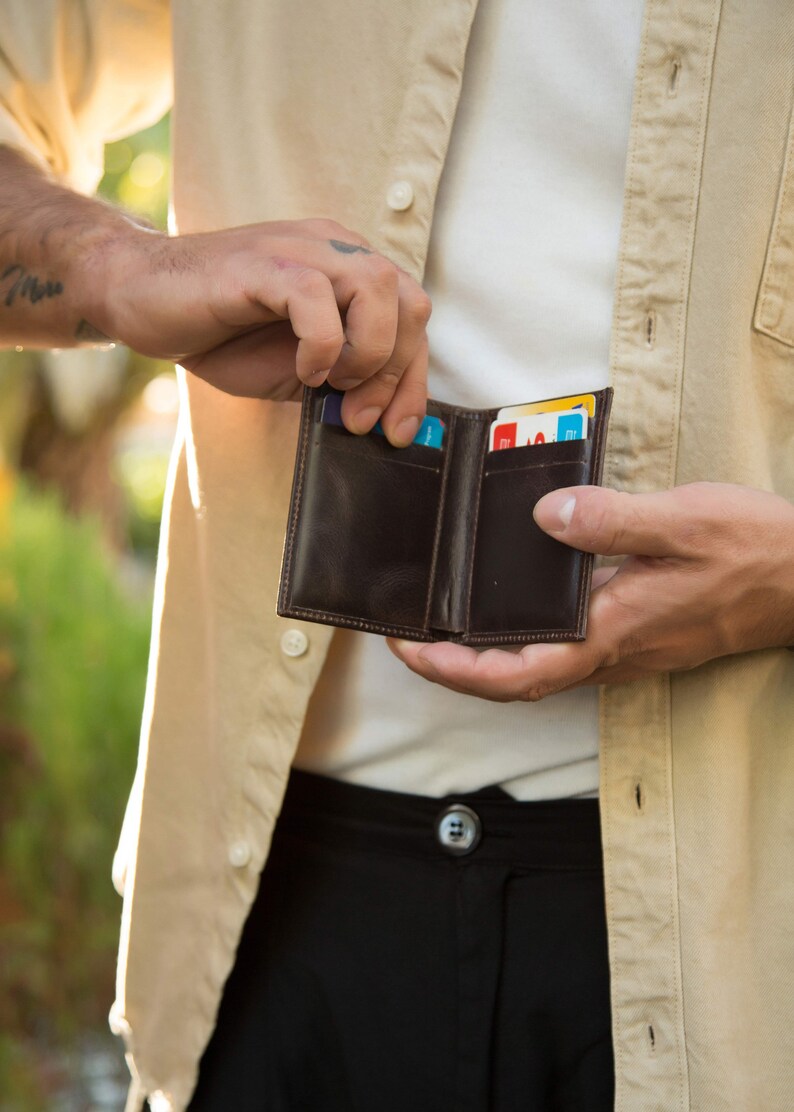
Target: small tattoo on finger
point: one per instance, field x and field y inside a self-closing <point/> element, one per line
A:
<point x="349" y="248"/>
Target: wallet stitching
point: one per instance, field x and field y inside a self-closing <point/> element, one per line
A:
<point x="520" y="635"/>
<point x="356" y="623"/>
<point x="298" y="495"/>
<point x="584" y="579"/>
<point x="597" y="459"/>
<point x="529" y="467"/>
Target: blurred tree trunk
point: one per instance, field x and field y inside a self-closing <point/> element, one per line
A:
<point x="79" y="465"/>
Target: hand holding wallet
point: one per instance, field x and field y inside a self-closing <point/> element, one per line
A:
<point x="436" y="544"/>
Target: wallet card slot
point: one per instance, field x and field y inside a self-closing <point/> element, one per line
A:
<point x="366" y="531"/>
<point x="538" y="455"/>
<point x="523" y="579"/>
<point x="377" y="448"/>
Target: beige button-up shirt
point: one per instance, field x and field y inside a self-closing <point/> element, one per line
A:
<point x="289" y="110"/>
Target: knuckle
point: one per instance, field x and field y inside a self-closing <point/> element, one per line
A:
<point x="597" y="524"/>
<point x="413" y="394"/>
<point x="375" y="356"/>
<point x="366" y="358"/>
<point x="326" y="339"/>
<point x="535" y="692"/>
<point x="695" y="537"/>
<point x="311" y="283"/>
<point x="322" y="226"/>
<point x="380" y="271"/>
<point x="702" y="524"/>
<point x="419" y="308"/>
<point x="389" y="377"/>
<point x="488" y="668"/>
<point x="611" y="655"/>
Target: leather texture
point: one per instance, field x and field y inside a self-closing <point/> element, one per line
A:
<point x="435" y="544"/>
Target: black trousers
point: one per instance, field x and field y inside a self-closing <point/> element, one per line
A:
<point x="383" y="971"/>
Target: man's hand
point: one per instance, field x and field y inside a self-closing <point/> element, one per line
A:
<point x="709" y="572"/>
<point x="257" y="311"/>
<point x="260" y="310"/>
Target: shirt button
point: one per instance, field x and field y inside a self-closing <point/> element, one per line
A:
<point x="458" y="829"/>
<point x="400" y="196"/>
<point x="239" y="854"/>
<point x="294" y="642"/>
<point x="161" y="1102"/>
<point x="117" y="1022"/>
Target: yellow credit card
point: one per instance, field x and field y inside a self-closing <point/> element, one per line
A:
<point x="553" y="405"/>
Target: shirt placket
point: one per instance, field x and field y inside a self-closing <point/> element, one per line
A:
<point x="669" y="121"/>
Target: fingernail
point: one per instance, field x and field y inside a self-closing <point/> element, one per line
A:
<point x="406" y="430"/>
<point x="363" y="421"/>
<point x="553" y="513"/>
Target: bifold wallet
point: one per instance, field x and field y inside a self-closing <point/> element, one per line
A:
<point x="436" y="544"/>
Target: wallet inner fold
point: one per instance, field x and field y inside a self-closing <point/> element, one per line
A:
<point x="453" y="555"/>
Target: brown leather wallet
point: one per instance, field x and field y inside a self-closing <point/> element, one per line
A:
<point x="436" y="544"/>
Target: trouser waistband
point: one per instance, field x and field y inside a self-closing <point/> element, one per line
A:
<point x="467" y="828"/>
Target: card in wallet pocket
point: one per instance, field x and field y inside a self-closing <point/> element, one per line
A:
<point x="431" y="543"/>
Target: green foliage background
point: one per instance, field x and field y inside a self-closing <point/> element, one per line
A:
<point x="130" y="169"/>
<point x="73" y="650"/>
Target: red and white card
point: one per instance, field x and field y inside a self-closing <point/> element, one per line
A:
<point x="537" y="428"/>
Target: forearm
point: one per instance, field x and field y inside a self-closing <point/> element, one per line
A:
<point x="55" y="248"/>
<point x="256" y="311"/>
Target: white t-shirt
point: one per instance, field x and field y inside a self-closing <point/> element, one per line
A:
<point x="521" y="271"/>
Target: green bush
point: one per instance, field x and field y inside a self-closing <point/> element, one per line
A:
<point x="72" y="672"/>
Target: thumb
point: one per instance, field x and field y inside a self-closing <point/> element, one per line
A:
<point x="610" y="522"/>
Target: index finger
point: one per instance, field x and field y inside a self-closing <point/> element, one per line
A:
<point x="502" y="676"/>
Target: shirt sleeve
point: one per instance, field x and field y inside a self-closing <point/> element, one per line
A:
<point x="76" y="74"/>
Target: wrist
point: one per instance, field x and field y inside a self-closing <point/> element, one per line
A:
<point x="110" y="263"/>
<point x="57" y="258"/>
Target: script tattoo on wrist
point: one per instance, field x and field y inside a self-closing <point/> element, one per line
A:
<point x="349" y="248"/>
<point x="25" y="285"/>
<point x="88" y="332"/>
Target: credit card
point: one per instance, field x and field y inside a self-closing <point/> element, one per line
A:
<point x="511" y="412"/>
<point x="538" y="428"/>
<point x="431" y="431"/>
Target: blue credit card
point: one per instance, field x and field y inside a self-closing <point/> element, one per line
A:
<point x="431" y="431"/>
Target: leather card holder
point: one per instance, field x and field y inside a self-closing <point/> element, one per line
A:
<point x="436" y="544"/>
